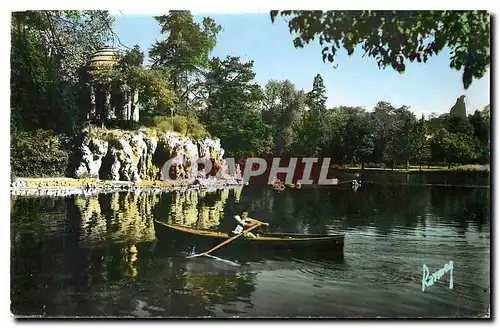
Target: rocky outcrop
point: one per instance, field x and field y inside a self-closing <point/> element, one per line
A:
<point x="459" y="110"/>
<point x="135" y="156"/>
<point x="91" y="151"/>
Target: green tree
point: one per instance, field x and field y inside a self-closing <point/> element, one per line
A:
<point x="133" y="57"/>
<point x="486" y="112"/>
<point x="420" y="146"/>
<point x="457" y="124"/>
<point x="184" y="52"/>
<point x="393" y="37"/>
<point x="312" y="127"/>
<point x="383" y="120"/>
<point x="332" y="146"/>
<point x="358" y="137"/>
<point x="316" y="98"/>
<point x="401" y="135"/>
<point x="282" y="106"/>
<point x="232" y="108"/>
<point x="48" y="51"/>
<point x="435" y="122"/>
<point x="453" y="147"/>
<point x="480" y="122"/>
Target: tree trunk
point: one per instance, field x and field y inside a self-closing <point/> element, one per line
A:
<point x="407" y="165"/>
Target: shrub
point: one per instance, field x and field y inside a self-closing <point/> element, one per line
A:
<point x="38" y="153"/>
<point x="188" y="126"/>
<point x="97" y="132"/>
<point x="105" y="134"/>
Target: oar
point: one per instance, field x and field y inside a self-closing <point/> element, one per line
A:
<point x="227" y="241"/>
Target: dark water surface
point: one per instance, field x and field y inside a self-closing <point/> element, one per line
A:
<point x="69" y="255"/>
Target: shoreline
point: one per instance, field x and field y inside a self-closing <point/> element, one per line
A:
<point x="63" y="186"/>
<point x="425" y="169"/>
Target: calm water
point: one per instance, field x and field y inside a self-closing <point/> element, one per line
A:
<point x="68" y="255"/>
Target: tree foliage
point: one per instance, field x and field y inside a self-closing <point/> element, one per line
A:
<point x="37" y="153"/>
<point x="420" y="146"/>
<point x="155" y="91"/>
<point x="316" y="98"/>
<point x="453" y="147"/>
<point x="48" y="51"/>
<point x="220" y="97"/>
<point x="383" y="117"/>
<point x="132" y="58"/>
<point x="480" y="122"/>
<point x="282" y="106"/>
<point x="401" y="136"/>
<point x="312" y="126"/>
<point x="232" y="108"/>
<point x="185" y="51"/>
<point x="395" y="37"/>
<point x="358" y="138"/>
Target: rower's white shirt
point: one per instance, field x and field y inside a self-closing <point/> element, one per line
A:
<point x="239" y="219"/>
<point x="239" y="228"/>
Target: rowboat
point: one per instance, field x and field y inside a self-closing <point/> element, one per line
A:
<point x="269" y="242"/>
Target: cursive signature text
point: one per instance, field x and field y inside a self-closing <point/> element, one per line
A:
<point x="429" y="279"/>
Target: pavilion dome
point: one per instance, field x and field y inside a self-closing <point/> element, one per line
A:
<point x="104" y="58"/>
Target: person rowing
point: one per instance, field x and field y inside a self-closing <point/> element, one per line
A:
<point x="244" y="222"/>
<point x="245" y="225"/>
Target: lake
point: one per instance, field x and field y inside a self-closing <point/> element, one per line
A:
<point x="69" y="254"/>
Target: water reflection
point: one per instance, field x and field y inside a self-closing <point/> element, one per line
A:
<point x="197" y="208"/>
<point x="118" y="217"/>
<point x="99" y="255"/>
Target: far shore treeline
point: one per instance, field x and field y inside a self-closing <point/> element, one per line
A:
<point x="184" y="89"/>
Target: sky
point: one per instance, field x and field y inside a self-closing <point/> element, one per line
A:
<point x="426" y="88"/>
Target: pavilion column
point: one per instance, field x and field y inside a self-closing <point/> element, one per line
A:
<point x="125" y="91"/>
<point x="135" y="106"/>
<point x="108" y="110"/>
<point x="125" y="104"/>
<point x="91" y="114"/>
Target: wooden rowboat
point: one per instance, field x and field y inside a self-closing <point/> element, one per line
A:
<point x="289" y="242"/>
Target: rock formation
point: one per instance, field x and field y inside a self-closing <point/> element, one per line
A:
<point x="135" y="156"/>
<point x="459" y="110"/>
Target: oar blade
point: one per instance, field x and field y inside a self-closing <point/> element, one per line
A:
<point x="214" y="257"/>
<point x="223" y="260"/>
